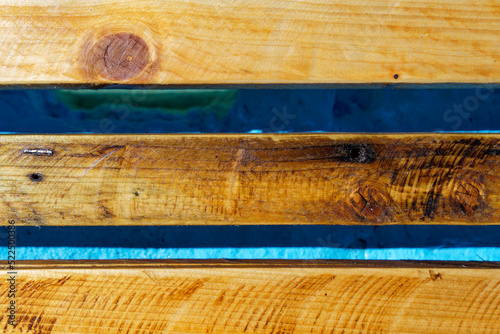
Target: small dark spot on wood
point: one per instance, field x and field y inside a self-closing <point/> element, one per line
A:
<point x="136" y="193"/>
<point x="434" y="276"/>
<point x="36" y="177"/>
<point x="396" y="76"/>
<point x="362" y="153"/>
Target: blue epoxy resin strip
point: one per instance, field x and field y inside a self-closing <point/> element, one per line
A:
<point x="290" y="253"/>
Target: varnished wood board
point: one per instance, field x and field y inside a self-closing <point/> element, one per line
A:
<point x="254" y="297"/>
<point x="250" y="179"/>
<point x="242" y="42"/>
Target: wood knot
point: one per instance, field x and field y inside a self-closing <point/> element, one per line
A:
<point x="469" y="194"/>
<point x="371" y="202"/>
<point x="119" y="56"/>
<point x="362" y="153"/>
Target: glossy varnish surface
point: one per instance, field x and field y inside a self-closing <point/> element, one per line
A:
<point x="250" y="179"/>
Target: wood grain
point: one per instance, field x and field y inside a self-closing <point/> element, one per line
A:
<point x="242" y="42"/>
<point x="254" y="297"/>
<point x="250" y="179"/>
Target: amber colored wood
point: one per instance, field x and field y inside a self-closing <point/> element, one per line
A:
<point x="250" y="179"/>
<point x="254" y="297"/>
<point x="220" y="42"/>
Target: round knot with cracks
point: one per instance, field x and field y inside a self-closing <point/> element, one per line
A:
<point x="120" y="56"/>
<point x="469" y="194"/>
<point x="371" y="202"/>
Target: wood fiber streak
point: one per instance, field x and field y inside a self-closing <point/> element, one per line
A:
<point x="241" y="42"/>
<point x="287" y="298"/>
<point x="250" y="179"/>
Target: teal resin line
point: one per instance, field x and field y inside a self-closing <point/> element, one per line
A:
<point x="94" y="253"/>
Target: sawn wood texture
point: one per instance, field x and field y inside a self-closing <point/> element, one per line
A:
<point x="250" y="179"/>
<point x="254" y="297"/>
<point x="249" y="42"/>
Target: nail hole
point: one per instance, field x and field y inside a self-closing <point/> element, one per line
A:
<point x="36" y="177"/>
<point x="354" y="153"/>
<point x="396" y="76"/>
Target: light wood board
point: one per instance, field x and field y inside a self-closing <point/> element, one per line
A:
<point x="254" y="297"/>
<point x="242" y="42"/>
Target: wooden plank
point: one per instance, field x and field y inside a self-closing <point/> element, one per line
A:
<point x="254" y="296"/>
<point x="250" y="179"/>
<point x="221" y="42"/>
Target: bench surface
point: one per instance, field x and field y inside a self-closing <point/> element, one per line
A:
<point x="249" y="42"/>
<point x="246" y="179"/>
<point x="255" y="297"/>
<point x="250" y="179"/>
